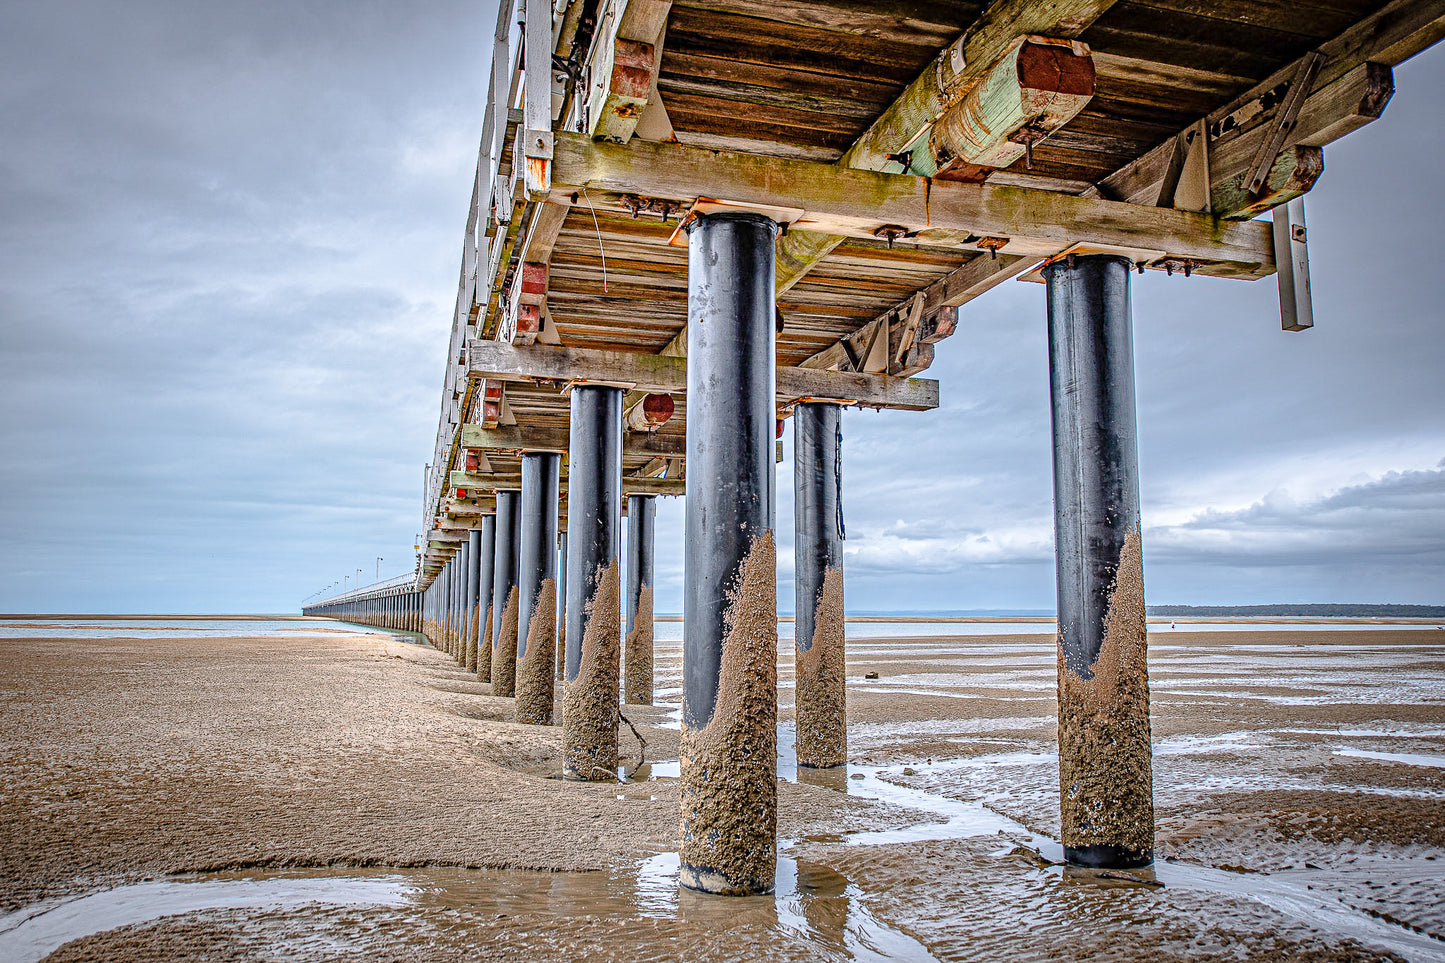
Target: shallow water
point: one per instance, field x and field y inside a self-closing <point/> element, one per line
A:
<point x="671" y="631"/>
<point x="811" y="903"/>
<point x="33" y="933"/>
<point x="981" y="855"/>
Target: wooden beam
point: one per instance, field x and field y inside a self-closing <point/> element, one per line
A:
<point x="1032" y="89"/>
<point x="857" y="203"/>
<point x="534" y="139"/>
<point x="1292" y="175"/>
<point x="908" y="121"/>
<point x="556" y="439"/>
<point x="624" y="69"/>
<point x="647" y="372"/>
<point x="940" y="301"/>
<point x="480" y="505"/>
<point x="499" y="481"/>
<point x="1352" y="87"/>
<point x="953" y="72"/>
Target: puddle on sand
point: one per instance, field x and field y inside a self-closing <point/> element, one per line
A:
<point x="34" y="932"/>
<point x="1408" y="758"/>
<point x="812" y="907"/>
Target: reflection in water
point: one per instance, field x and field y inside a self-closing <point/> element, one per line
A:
<point x="835" y="778"/>
<point x="812" y="905"/>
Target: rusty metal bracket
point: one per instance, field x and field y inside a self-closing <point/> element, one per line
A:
<point x="1029" y="135"/>
<point x="892" y="232"/>
<point x="650" y="205"/>
<point x="991" y="245"/>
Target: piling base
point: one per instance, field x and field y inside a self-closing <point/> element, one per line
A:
<point x="590" y="711"/>
<point x="728" y="770"/>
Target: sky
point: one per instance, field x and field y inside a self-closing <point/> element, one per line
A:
<point x="229" y="240"/>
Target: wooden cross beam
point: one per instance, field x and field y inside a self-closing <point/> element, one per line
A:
<point x="498" y="481"/>
<point x="649" y="372"/>
<point x="857" y="203"/>
<point x="1351" y="88"/>
<point x="902" y="131"/>
<point x="515" y="438"/>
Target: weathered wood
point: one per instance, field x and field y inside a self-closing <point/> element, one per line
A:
<point x="556" y="439"/>
<point x="1351" y="89"/>
<point x="937" y="304"/>
<point x="1031" y="90"/>
<point x="857" y="203"/>
<point x="498" y="481"/>
<point x="798" y="251"/>
<point x="944" y="82"/>
<point x="1293" y="174"/>
<point x="504" y="362"/>
<point x="624" y="69"/>
<point x="905" y="124"/>
<point x="481" y="505"/>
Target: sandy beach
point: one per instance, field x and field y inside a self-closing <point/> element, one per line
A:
<point x="319" y="794"/>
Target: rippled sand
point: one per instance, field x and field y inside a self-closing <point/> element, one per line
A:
<point x="1299" y="789"/>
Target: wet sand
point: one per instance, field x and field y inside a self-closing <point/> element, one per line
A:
<point x="1299" y="792"/>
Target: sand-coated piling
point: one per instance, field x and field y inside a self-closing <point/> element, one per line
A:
<point x="486" y="559"/>
<point x="728" y="790"/>
<point x="728" y="783"/>
<point x="504" y="593"/>
<point x="458" y="602"/>
<point x="821" y="694"/>
<point x="590" y="710"/>
<point x="818" y="649"/>
<point x="535" y="685"/>
<point x="484" y="648"/>
<point x="1105" y="763"/>
<point x="562" y="606"/>
<point x="504" y="649"/>
<point x="637" y="651"/>
<point x="469" y="600"/>
<point x="594" y="599"/>
<point x="537" y="586"/>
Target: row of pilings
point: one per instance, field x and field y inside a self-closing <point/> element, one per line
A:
<point x="521" y="603"/>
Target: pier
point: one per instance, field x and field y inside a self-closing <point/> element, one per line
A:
<point x="693" y="224"/>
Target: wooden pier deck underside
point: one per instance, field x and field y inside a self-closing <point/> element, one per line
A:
<point x="827" y="116"/>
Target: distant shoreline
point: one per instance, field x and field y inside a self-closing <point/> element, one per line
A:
<point x="94" y="616"/>
<point x="1153" y="619"/>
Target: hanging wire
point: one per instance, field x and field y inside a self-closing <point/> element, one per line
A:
<point x="599" y="238"/>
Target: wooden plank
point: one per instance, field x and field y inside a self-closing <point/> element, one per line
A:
<point x="937" y="309"/>
<point x="944" y="82"/>
<point x="1351" y="89"/>
<point x="555" y="439"/>
<point x="498" y="481"/>
<point x="857" y="203"/>
<point x="940" y="86"/>
<point x="646" y="372"/>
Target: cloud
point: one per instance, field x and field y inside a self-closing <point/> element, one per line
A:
<point x="1398" y="517"/>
